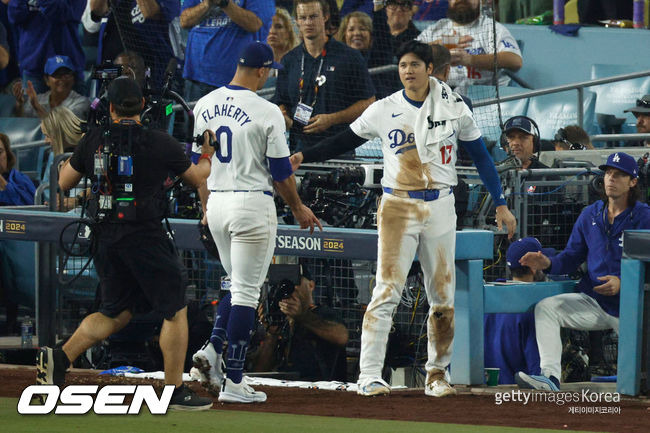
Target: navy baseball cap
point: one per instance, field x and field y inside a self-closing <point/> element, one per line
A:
<point x="258" y="55"/>
<point x="54" y="63"/>
<point x="519" y="123"/>
<point x="623" y="162"/>
<point x="519" y="248"/>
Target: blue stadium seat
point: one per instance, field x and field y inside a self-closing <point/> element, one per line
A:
<point x="7" y="103"/>
<point x="21" y="129"/>
<point x="613" y="98"/>
<point x="557" y="110"/>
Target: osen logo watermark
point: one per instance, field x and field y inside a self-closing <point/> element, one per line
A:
<point x="80" y="399"/>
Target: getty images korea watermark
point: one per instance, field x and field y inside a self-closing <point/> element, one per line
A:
<point x="80" y="399"/>
<point x="599" y="402"/>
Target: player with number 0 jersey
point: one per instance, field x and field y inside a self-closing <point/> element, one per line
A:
<point x="249" y="156"/>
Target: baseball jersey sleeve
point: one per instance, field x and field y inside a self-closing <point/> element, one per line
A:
<point x="276" y="142"/>
<point x="199" y="127"/>
<point x="468" y="131"/>
<point x="364" y="126"/>
<point x="506" y="42"/>
<point x="430" y="34"/>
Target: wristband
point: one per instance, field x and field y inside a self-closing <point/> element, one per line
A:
<point x="205" y="156"/>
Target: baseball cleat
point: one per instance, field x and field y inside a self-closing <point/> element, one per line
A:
<point x="373" y="386"/>
<point x="208" y="368"/>
<point x="240" y="393"/>
<point x="185" y="399"/>
<point x="49" y="371"/>
<point x="439" y="388"/>
<point x="528" y="381"/>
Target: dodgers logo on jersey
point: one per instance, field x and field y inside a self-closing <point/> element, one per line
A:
<point x="399" y="137"/>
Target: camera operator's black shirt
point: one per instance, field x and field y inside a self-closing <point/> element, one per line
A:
<point x="155" y="155"/>
<point x="314" y="358"/>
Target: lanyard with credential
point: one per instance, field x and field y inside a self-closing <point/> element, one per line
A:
<point x="317" y="84"/>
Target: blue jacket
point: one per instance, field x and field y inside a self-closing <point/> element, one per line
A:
<point x="47" y="28"/>
<point x="510" y="344"/>
<point x="20" y="189"/>
<point x="593" y="239"/>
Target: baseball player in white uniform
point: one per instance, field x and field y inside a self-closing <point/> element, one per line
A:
<point x="251" y="157"/>
<point x="423" y="122"/>
<point x="469" y="36"/>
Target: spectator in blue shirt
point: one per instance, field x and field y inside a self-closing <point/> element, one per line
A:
<point x="510" y="343"/>
<point x="47" y="28"/>
<point x="16" y="189"/>
<point x="219" y="30"/>
<point x="597" y="237"/>
<point x="142" y="26"/>
<point x="336" y="87"/>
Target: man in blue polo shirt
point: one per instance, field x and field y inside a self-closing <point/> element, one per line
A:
<point x="219" y="30"/>
<point x="142" y="26"/>
<point x="47" y="28"/>
<point x="324" y="85"/>
<point x="597" y="238"/>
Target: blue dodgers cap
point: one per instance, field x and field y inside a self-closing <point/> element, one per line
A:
<point x="54" y="63"/>
<point x="258" y="55"/>
<point x="520" y="123"/>
<point x="518" y="249"/>
<point x="623" y="162"/>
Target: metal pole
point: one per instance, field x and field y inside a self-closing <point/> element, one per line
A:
<point x="581" y="108"/>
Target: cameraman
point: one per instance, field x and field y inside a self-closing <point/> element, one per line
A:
<point x="134" y="257"/>
<point x="316" y="338"/>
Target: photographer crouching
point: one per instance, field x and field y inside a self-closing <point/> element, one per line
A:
<point x="136" y="261"/>
<point x="303" y="337"/>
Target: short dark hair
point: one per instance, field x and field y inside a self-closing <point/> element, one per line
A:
<point x="520" y="271"/>
<point x="441" y="57"/>
<point x="324" y="5"/>
<point x="129" y="110"/>
<point x="11" y="157"/>
<point x="420" y="49"/>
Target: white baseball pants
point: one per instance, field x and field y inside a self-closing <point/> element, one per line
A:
<point x="243" y="225"/>
<point x="408" y="226"/>
<point x="569" y="310"/>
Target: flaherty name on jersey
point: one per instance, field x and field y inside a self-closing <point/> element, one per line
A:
<point x="226" y="110"/>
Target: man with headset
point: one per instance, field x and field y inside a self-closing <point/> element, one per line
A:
<point x="522" y="140"/>
<point x="136" y="261"/>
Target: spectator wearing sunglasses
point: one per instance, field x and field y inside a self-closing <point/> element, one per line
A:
<point x="642" y="113"/>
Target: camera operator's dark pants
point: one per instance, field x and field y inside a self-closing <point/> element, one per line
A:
<point x="137" y="266"/>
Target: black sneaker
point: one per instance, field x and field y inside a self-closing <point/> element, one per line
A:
<point x="51" y="365"/>
<point x="184" y="398"/>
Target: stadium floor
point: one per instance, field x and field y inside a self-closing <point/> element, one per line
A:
<point x="469" y="409"/>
